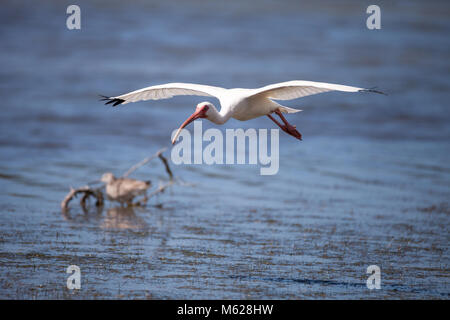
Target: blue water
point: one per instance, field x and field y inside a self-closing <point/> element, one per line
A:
<point x="369" y="184"/>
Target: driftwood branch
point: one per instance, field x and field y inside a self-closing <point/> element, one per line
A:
<point x="166" y="164"/>
<point x="141" y="163"/>
<point x="161" y="188"/>
<point x="87" y="192"/>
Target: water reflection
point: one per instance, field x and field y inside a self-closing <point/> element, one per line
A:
<point x="115" y="218"/>
<point x="123" y="218"/>
<point x="86" y="213"/>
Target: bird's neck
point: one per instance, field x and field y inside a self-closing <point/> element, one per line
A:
<point x="219" y="117"/>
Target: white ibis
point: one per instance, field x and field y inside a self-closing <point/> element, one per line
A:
<point x="123" y="190"/>
<point x="240" y="104"/>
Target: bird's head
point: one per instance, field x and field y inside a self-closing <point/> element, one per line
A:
<point x="107" y="177"/>
<point x="203" y="110"/>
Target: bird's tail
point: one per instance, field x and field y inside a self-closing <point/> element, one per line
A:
<point x="289" y="110"/>
<point x="285" y="109"/>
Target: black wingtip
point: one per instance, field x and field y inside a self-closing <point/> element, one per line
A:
<point x="117" y="102"/>
<point x="373" y="90"/>
<point x="114" y="101"/>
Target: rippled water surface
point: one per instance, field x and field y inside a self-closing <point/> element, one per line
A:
<point x="368" y="185"/>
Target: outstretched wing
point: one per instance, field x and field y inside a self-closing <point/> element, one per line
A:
<point x="165" y="91"/>
<point x="298" y="88"/>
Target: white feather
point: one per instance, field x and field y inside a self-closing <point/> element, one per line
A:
<point x="170" y="90"/>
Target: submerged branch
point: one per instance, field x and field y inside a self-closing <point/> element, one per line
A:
<point x="87" y="192"/>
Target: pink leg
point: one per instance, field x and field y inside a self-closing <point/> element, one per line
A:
<point x="287" y="127"/>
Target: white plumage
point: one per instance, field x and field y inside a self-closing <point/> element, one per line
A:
<point x="240" y="104"/>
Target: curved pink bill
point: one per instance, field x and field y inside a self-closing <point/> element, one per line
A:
<point x="194" y="116"/>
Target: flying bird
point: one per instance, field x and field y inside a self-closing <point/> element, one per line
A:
<point x="238" y="103"/>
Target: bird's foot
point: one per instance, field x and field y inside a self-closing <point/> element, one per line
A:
<point x="286" y="127"/>
<point x="291" y="130"/>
